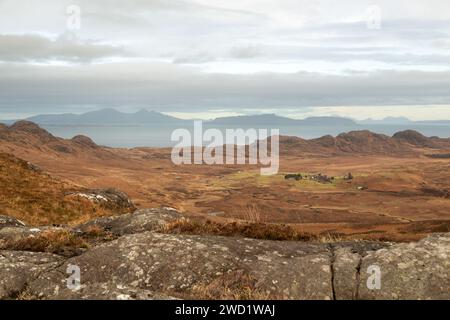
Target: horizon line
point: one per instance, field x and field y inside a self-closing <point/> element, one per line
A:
<point x="171" y="114"/>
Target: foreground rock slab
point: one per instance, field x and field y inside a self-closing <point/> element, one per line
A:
<point x="186" y="266"/>
<point x="143" y="263"/>
<point x="18" y="269"/>
<point x="409" y="271"/>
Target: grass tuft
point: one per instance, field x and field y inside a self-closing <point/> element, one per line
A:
<point x="262" y="231"/>
<point x="51" y="241"/>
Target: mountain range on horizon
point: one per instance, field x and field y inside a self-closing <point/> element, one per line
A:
<point x="110" y="116"/>
<point x="107" y="116"/>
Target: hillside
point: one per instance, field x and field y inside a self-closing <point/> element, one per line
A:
<point x="24" y="138"/>
<point x="401" y="190"/>
<point x="35" y="197"/>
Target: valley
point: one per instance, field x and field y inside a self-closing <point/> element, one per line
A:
<point x="397" y="193"/>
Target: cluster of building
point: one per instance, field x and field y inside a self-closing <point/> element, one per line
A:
<point x="315" y="177"/>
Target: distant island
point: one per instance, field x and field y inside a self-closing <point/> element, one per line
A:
<point x="112" y="117"/>
<point x="105" y="117"/>
<point x="275" y="120"/>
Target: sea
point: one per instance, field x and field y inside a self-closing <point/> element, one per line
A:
<point x="130" y="136"/>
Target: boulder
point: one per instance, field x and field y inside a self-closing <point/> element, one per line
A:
<point x="139" y="221"/>
<point x="111" y="198"/>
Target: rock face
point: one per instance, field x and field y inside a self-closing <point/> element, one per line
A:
<point x="143" y="263"/>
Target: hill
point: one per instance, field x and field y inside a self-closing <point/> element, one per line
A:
<point x="35" y="197"/>
<point x="363" y="142"/>
<point x="25" y="137"/>
<point x="417" y="139"/>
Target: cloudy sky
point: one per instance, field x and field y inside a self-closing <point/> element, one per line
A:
<point x="208" y="58"/>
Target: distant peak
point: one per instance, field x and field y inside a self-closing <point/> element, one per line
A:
<point x="415" y="138"/>
<point x="410" y="136"/>
<point x="408" y="133"/>
<point x="31" y="128"/>
<point x="83" y="140"/>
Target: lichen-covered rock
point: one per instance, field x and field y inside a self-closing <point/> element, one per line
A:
<point x="105" y="291"/>
<point x="409" y="271"/>
<point x="110" y="198"/>
<point x="347" y="259"/>
<point x="18" y="269"/>
<point x="185" y="266"/>
<point x="346" y="273"/>
<point x="20" y="233"/>
<point x="139" y="221"/>
<point x="16" y="233"/>
<point x="6" y="221"/>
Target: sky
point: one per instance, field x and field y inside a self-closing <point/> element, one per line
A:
<point x="204" y="59"/>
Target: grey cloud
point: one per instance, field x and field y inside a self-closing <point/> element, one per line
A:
<point x="168" y="87"/>
<point x="228" y="36"/>
<point x="35" y="48"/>
<point x="193" y="58"/>
<point x="245" y="52"/>
<point x="204" y="31"/>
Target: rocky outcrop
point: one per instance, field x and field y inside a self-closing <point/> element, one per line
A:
<point x="177" y="264"/>
<point x="413" y="137"/>
<point x="33" y="129"/>
<point x="111" y="198"/>
<point x="85" y="141"/>
<point x="143" y="262"/>
<point x="6" y="221"/>
<point x="140" y="221"/>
